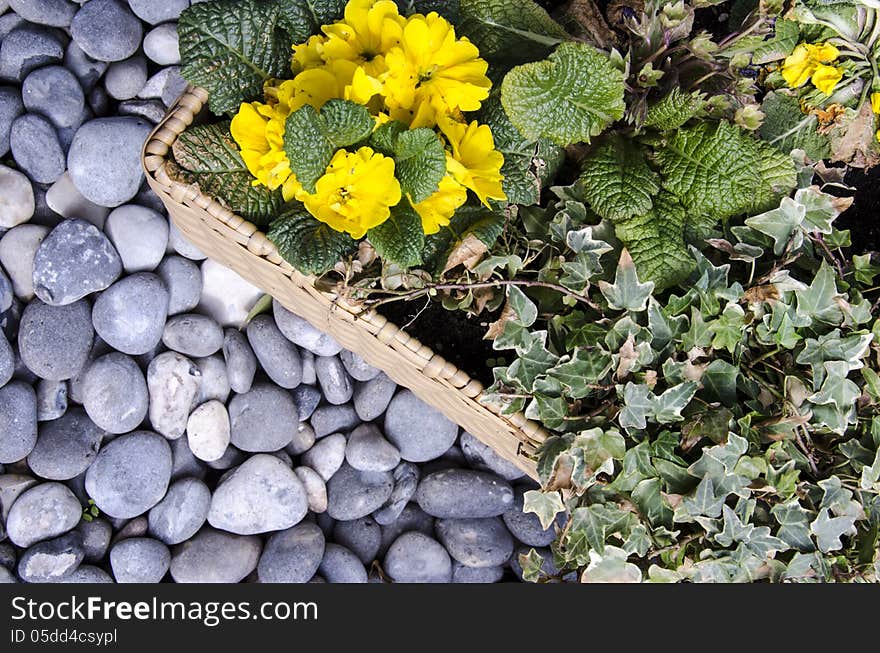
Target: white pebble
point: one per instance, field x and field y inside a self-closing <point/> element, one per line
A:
<point x="207" y="431"/>
<point x="16" y="198"/>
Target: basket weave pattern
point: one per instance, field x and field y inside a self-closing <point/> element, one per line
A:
<point x="238" y="244"/>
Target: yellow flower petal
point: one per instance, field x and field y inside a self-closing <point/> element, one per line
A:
<point x="822" y="52"/>
<point x="474" y="162"/>
<point x="825" y="78"/>
<point x="875" y="102"/>
<point x="797" y="67"/>
<point x="437" y="210"/>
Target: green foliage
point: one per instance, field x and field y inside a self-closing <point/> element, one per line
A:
<point x="308" y="245"/>
<point x="616" y="178"/>
<point x="509" y="30"/>
<point x="231" y="47"/>
<point x="570" y="97"/>
<point x="302" y="18"/>
<point x="674" y="109"/>
<point x="787" y="129"/>
<point x="419" y="158"/>
<point x="400" y="238"/>
<point x="207" y="156"/>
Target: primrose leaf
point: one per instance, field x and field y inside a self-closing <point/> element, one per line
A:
<point x="786" y="128"/>
<point x="419" y="162"/>
<point x="569" y="97"/>
<point x="545" y="505"/>
<point x="400" y="239"/>
<point x="517" y="30"/>
<point x="627" y="293"/>
<point x="616" y="179"/>
<point x="310" y="246"/>
<point x="230" y="48"/>
<point x="302" y="18"/>
<point x="785" y="38"/>
<point x="674" y="109"/>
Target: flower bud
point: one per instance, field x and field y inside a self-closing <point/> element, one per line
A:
<point x="749" y="117"/>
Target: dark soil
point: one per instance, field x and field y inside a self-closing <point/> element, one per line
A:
<point x="863" y="217"/>
<point x="456" y="336"/>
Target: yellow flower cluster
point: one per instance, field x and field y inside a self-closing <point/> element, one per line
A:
<point x="813" y="63"/>
<point x="410" y="69"/>
<point x="875" y="107"/>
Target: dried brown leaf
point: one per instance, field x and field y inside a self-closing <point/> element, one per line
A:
<point x="468" y="253"/>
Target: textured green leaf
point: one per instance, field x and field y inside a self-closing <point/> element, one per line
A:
<point x="777" y="174"/>
<point x="616" y="179"/>
<point x="786" y="128"/>
<point x="311" y="138"/>
<point x="230" y="48"/>
<point x="209" y="157"/>
<point x="302" y="18"/>
<point x="419" y="162"/>
<point x="545" y="505"/>
<point x="509" y="30"/>
<point x="785" y="38"/>
<point x="310" y="246"/>
<point x="627" y="293"/>
<point x="674" y="109"/>
<point x="449" y="9"/>
<point x="400" y="239"/>
<point x="569" y="97"/>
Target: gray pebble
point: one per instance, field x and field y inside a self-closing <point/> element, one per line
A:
<point x="87" y="70"/>
<point x="526" y="527"/>
<point x="57" y="13"/>
<point x="420" y="432"/>
<point x="49" y="561"/>
<point x="11" y="107"/>
<point x="54" y="341"/>
<point x="476" y="542"/>
<point x="96" y="535"/>
<point x="106" y="30"/>
<point x="263" y="419"/>
<point x="181" y="512"/>
<point x="232" y="457"/>
<point x="192" y="334"/>
<point x="278" y="357"/>
<point x="152" y="110"/>
<point x="130" y="314"/>
<point x="26" y="48"/>
<point x="10" y="21"/>
<point x="130" y="474"/>
<point x="158" y="11"/>
<point x="51" y="398"/>
<point x="292" y="555"/>
<point x="474" y="575"/>
<point x="368" y="451"/>
<point x="35" y="146"/>
<point x="481" y="456"/>
<point x="140" y="560"/>
<point x="464" y="493"/>
<point x="161" y="45"/>
<point x="54" y="92"/>
<point x="104" y="158"/>
<point x="73" y="261"/>
<point x="417" y="558"/>
<point x="183" y="462"/>
<point x="303" y="334"/>
<point x="326" y="456"/>
<point x="40" y="512"/>
<point x="17" y="249"/>
<point x="165" y="85"/>
<point x="316" y="488"/>
<point x="183" y="279"/>
<point x="215" y="380"/>
<point x="11" y="486"/>
<point x="88" y="574"/>
<point x="309" y="376"/>
<point x="64" y="199"/>
<point x="115" y="393"/>
<point x="215" y="557"/>
<point x="303" y="440"/>
<point x="363" y="537"/>
<point x="125" y="79"/>
<point x="7" y="360"/>
<point x="333" y="419"/>
<point x="340" y="565"/>
<point x="333" y="379"/>
<point x="241" y="363"/>
<point x="406" y="481"/>
<point x="358" y="368"/>
<point x="352" y="494"/>
<point x="173" y="384"/>
<point x="66" y="446"/>
<point x="98" y="101"/>
<point x="307" y="398"/>
<point x="140" y="235"/>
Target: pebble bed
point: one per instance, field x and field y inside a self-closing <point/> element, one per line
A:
<point x="214" y="452"/>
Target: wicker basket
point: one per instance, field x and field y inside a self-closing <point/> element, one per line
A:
<point x="238" y="244"/>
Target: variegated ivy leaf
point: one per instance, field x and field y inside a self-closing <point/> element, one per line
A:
<point x="821" y="209"/>
<point x="590" y="526"/>
<point x="581" y="371"/>
<point x="794" y="525"/>
<point x="545" y="505"/>
<point x="533" y="361"/>
<point x="667" y="408"/>
<point x="637" y="407"/>
<point x="728" y="330"/>
<point x="756" y="539"/>
<point x="611" y="567"/>
<point x="627" y="293"/>
<point x="821" y="301"/>
<point x="593" y="452"/>
<point x="525" y="308"/>
<point x="832" y="347"/>
<point x="702" y="502"/>
<point x="781" y="224"/>
<point x="837" y="391"/>
<point x="828" y="530"/>
<point x="664" y="328"/>
<point x="532" y="565"/>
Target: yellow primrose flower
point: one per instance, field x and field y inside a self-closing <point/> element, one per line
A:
<point x="474" y="162"/>
<point x="309" y="54"/>
<point x="261" y="150"/>
<point x="437" y="209"/>
<point x="432" y="73"/>
<point x="801" y="64"/>
<point x="825" y="78"/>
<point x="875" y="102"/>
<point x="356" y="192"/>
<point x="369" y="30"/>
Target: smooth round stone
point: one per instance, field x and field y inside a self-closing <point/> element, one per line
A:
<point x="300" y="332"/>
<point x="226" y="296"/>
<point x="363" y="537"/>
<point x="339" y="565"/>
<point x="474" y="575"/>
<point x="412" y="518"/>
<point x="51" y="398"/>
<point x="180" y="244"/>
<point x="152" y="110"/>
<point x="87" y="574"/>
<point x="115" y="393"/>
<point x="420" y="432"/>
<point x="184" y="464"/>
<point x="57" y="13"/>
<point x="16" y="198"/>
<point x="104" y="158"/>
<point x="166" y="86"/>
<point x="17" y="249"/>
<point x="417" y="558"/>
<point x="54" y="92"/>
<point x="130" y="474"/>
<point x="357" y="367"/>
<point x="302" y="441"/>
<point x="464" y="493"/>
<point x="158" y="11"/>
<point x="7" y="360"/>
<point x="73" y="261"/>
<point x="49" y="561"/>
<point x="130" y="314"/>
<point x="333" y="419"/>
<point x="66" y="446"/>
<point x="35" y="146"/>
<point x="139" y="560"/>
<point x="371" y="398"/>
<point x="278" y="357"/>
<point x="64" y="199"/>
<point x="307" y="398"/>
<point x="192" y="334"/>
<point x="207" y="431"/>
<point x="96" y="536"/>
<point x="262" y="419"/>
<point x="161" y="45"/>
<point x="127" y="528"/>
<point x="526" y="527"/>
<point x="260" y="495"/>
<point x="333" y="379"/>
<point x="125" y="79"/>
<point x="182" y="511"/>
<point x="140" y="235"/>
<point x="326" y="456"/>
<point x="406" y="481"/>
<point x="215" y="557"/>
<point x="106" y="30"/>
<point x="352" y="494"/>
<point x="316" y="488"/>
<point x="292" y="555"/>
<point x="215" y="381"/>
<point x="55" y="341"/>
<point x="87" y="70"/>
<point x="476" y="542"/>
<point x="11" y="486"/>
<point x="310" y="377"/>
<point x="183" y="279"/>
<point x="241" y="363"/>
<point x="11" y="107"/>
<point x="26" y="48"/>
<point x="173" y="383"/>
<point x="40" y="512"/>
<point x="368" y="451"/>
<point x="481" y="456"/>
